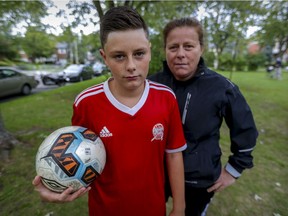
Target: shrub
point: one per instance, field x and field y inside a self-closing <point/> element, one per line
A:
<point x="209" y="58"/>
<point x="240" y="63"/>
<point x="255" y="60"/>
<point x="226" y="62"/>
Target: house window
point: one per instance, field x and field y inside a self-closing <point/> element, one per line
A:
<point x="62" y="51"/>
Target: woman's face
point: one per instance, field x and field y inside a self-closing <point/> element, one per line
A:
<point x="183" y="52"/>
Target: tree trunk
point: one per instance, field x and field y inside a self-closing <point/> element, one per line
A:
<point x="7" y="141"/>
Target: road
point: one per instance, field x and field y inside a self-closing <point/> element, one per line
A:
<point x="39" y="88"/>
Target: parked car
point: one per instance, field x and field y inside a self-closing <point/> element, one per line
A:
<point x="98" y="68"/>
<point x="53" y="79"/>
<point x="76" y="73"/>
<point x="14" y="81"/>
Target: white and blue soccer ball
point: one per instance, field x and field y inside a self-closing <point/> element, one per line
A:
<point x="71" y="156"/>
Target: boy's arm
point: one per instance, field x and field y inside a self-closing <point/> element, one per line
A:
<point x="175" y="170"/>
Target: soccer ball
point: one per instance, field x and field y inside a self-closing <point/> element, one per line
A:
<point x="70" y="156"/>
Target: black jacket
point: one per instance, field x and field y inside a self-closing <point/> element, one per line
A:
<point x="204" y="101"/>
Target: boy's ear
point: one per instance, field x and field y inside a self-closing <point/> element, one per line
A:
<point x="102" y="53"/>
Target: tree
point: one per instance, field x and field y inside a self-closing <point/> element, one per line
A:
<point x="7" y="141"/>
<point x="227" y="24"/>
<point x="37" y="43"/>
<point x="155" y="13"/>
<point x="68" y="37"/>
<point x="9" y="49"/>
<point x="91" y="42"/>
<point x="274" y="26"/>
<point x="12" y="13"/>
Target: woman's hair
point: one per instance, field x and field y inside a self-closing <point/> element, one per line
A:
<point x="184" y="22"/>
<point x="120" y="19"/>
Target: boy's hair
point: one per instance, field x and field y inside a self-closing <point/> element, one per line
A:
<point x="120" y="19"/>
<point x="184" y="22"/>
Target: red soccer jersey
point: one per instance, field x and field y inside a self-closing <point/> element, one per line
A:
<point x="132" y="182"/>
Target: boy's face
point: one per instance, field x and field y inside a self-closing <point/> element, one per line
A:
<point x="127" y="54"/>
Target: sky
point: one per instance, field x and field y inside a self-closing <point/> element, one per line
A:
<point x="55" y="21"/>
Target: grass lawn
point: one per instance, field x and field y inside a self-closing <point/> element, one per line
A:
<point x="260" y="191"/>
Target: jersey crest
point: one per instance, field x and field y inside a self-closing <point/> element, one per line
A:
<point x="158" y="132"/>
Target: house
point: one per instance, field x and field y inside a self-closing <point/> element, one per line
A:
<point x="62" y="53"/>
<point x="23" y="56"/>
<point x="253" y="48"/>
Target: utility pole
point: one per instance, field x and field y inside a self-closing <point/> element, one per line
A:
<point x="76" y="50"/>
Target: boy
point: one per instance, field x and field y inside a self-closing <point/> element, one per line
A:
<point x="137" y="120"/>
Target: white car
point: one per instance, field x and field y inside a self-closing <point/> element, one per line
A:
<point x="76" y="73"/>
<point x="98" y="68"/>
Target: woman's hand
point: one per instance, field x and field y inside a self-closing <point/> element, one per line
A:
<point x="222" y="182"/>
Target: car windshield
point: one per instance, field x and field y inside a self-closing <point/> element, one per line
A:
<point x="73" y="68"/>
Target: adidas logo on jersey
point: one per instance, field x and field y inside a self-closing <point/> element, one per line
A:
<point x="105" y="132"/>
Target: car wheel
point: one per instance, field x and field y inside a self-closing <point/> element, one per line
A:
<point x="61" y="83"/>
<point x="26" y="90"/>
<point x="45" y="81"/>
<point x="81" y="78"/>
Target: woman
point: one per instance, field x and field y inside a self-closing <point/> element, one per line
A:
<point x="205" y="98"/>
